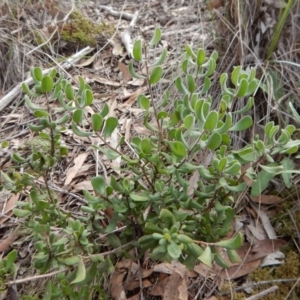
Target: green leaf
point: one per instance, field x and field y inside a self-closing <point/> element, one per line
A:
<point x="248" y="106"/>
<point x="21" y="213"/>
<point x="272" y="169"/>
<point x="173" y="250"/>
<point x="110" y="125"/>
<point x="69" y="92"/>
<point x="235" y="75"/>
<point x="261" y="182"/>
<point x="161" y="59"/>
<point x="206" y="86"/>
<point x="214" y="141"/>
<point x="99" y="185"/>
<point x="211" y="121"/>
<point x="233" y="243"/>
<point x="189" y="122"/>
<point x="137" y="50"/>
<point x="193" y="250"/>
<point x="81" y="272"/>
<point x="17" y="158"/>
<point x="26" y="89"/>
<point x="190" y="52"/>
<point x="287" y="164"/>
<point x="242" y="124"/>
<point x="180" y="86"/>
<point x="79" y="132"/>
<point x="146" y="146"/>
<point x="104" y="111"/>
<point x="294" y="112"/>
<point x="252" y="87"/>
<point x="200" y="57"/>
<point x="233" y="256"/>
<point x="143" y="102"/>
<point x="111" y="154"/>
<point x="139" y="198"/>
<point x="206" y="257"/>
<point x="156" y="37"/>
<point x="89" y="97"/>
<point x="178" y="149"/>
<point x="38" y="73"/>
<point x="133" y="73"/>
<point x="31" y="105"/>
<point x="167" y="217"/>
<point x="113" y="240"/>
<point x="191" y="85"/>
<point x="78" y="115"/>
<point x="156" y="74"/>
<point x="47" y="84"/>
<point x="10" y="259"/>
<point x="220" y="261"/>
<point x="97" y="122"/>
<point x="152" y="228"/>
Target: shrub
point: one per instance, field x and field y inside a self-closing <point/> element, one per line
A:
<point x="168" y="202"/>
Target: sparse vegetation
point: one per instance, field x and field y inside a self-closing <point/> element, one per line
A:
<point x="175" y="190"/>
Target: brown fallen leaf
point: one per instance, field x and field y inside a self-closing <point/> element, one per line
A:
<point x="125" y="71"/>
<point x="134" y="96"/>
<point x="116" y="285"/>
<point x="266" y="199"/>
<point x="5" y="244"/>
<point x="240" y="270"/>
<point x="78" y="162"/>
<point x="9" y="205"/>
<point x="159" y="287"/>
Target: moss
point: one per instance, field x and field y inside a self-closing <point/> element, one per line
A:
<point x="290" y="269"/>
<point x="81" y="30"/>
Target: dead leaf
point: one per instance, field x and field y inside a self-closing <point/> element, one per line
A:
<point x="83" y="185"/>
<point x="171" y="291"/>
<point x="9" y="205"/>
<point x="240" y="270"/>
<point x="275" y="258"/>
<point x="102" y="80"/>
<point x="78" y="162"/>
<point x="163" y="268"/>
<point x="85" y="62"/>
<point x="266" y="199"/>
<point x="134" y="96"/>
<point x="125" y="71"/>
<point x="5" y="244"/>
<point x="116" y="285"/>
<point x="158" y="288"/>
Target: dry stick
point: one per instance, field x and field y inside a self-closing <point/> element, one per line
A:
<point x="126" y="35"/>
<point x="263" y="293"/>
<point x="35" y="277"/>
<point x="114" y="13"/>
<point x="255" y="284"/>
<point x="295" y="225"/>
<point x="8" y="98"/>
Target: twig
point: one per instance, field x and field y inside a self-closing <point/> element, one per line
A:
<point x="114" y="13"/>
<point x="126" y="35"/>
<point x="295" y="225"/>
<point x="35" y="277"/>
<point x="263" y="293"/>
<point x="254" y="284"/>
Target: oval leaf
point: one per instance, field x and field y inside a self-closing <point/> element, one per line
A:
<point x="178" y="149"/>
<point x="110" y="125"/>
<point x="242" y="124"/>
<point x="81" y="272"/>
<point x="233" y="243"/>
<point x="137" y="50"/>
<point x="47" y="84"/>
<point x="156" y="75"/>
